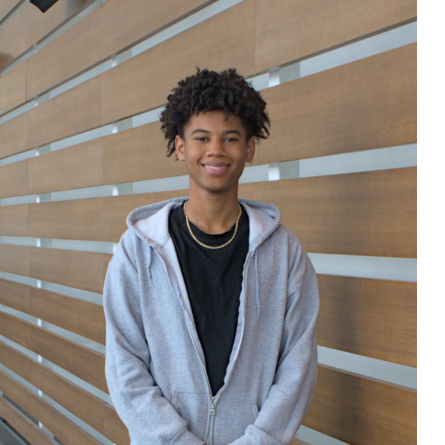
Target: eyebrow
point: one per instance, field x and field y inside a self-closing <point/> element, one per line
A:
<point x="200" y="130"/>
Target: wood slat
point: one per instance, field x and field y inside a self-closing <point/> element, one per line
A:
<point x="73" y="167"/>
<point x="13" y="134"/>
<point x="14" y="259"/>
<point x="83" y="270"/>
<point x="375" y="318"/>
<point x="25" y="426"/>
<point x="124" y="24"/>
<point x="370" y="213"/>
<point x="29" y="25"/>
<point x="69" y="113"/>
<point x="79" y="360"/>
<point x="81" y="403"/>
<point x="13" y="88"/>
<point x="83" y="318"/>
<point x="145" y="80"/>
<point x="75" y="219"/>
<point x="357" y="410"/>
<point x="366" y="104"/>
<point x="63" y="428"/>
<point x="286" y="31"/>
<point x="14" y="220"/>
<point x="14" y="179"/>
<point x="6" y="6"/>
<point x="138" y="154"/>
<point x="76" y="49"/>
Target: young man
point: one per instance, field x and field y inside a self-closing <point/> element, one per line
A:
<point x="211" y="303"/>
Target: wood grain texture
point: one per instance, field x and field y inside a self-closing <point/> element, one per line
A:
<point x="72" y="112"/>
<point x="63" y="428"/>
<point x="357" y="410"/>
<point x="138" y="154"/>
<point x="29" y="25"/>
<point x="14" y="220"/>
<point x="116" y="210"/>
<point x="286" y="31"/>
<point x="13" y="134"/>
<point x="13" y="88"/>
<point x="375" y="318"/>
<point x="14" y="259"/>
<point x="14" y="179"/>
<point x="370" y="213"/>
<point x="145" y="80"/>
<point x="79" y="360"/>
<point x="25" y="426"/>
<point x="79" y="219"/>
<point x="114" y="427"/>
<point x="74" y="167"/>
<point x="6" y="6"/>
<point x="366" y="104"/>
<point x="82" y="317"/>
<point x="80" y="402"/>
<point x="82" y="270"/>
<point x="124" y="24"/>
<point x="76" y="49"/>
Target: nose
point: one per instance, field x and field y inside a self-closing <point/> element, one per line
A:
<point x="217" y="149"/>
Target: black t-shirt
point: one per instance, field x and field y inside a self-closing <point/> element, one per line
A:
<point x="213" y="279"/>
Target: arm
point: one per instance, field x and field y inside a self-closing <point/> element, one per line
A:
<point x="294" y="384"/>
<point x="149" y="417"/>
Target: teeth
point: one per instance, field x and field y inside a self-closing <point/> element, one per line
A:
<point x="215" y="168"/>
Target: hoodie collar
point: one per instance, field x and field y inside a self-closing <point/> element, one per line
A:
<point x="150" y="223"/>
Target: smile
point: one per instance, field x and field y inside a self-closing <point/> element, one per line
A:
<point x="215" y="169"/>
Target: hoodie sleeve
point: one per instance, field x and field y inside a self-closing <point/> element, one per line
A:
<point x="149" y="417"/>
<point x="295" y="378"/>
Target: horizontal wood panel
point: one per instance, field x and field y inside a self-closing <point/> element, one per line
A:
<point x="6" y="6"/>
<point x="71" y="168"/>
<point x="145" y="80"/>
<point x="371" y="213"/>
<point x="124" y="24"/>
<point x="14" y="220"/>
<point x="375" y="318"/>
<point x="79" y="360"/>
<point x="29" y="25"/>
<point x="72" y="112"/>
<point x="13" y="88"/>
<point x="63" y="428"/>
<point x="26" y="427"/>
<point x="13" y="134"/>
<point x="357" y="410"/>
<point x="366" y="104"/>
<point x="83" y="270"/>
<point x="74" y="219"/>
<point x="14" y="259"/>
<point x="138" y="154"/>
<point x="285" y="31"/>
<point x="73" y="51"/>
<point x="83" y="318"/>
<point x="81" y="403"/>
<point x="14" y="179"/>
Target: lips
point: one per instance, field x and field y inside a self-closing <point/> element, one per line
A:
<point x="215" y="168"/>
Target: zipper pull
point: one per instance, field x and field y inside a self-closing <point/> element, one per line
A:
<point x="212" y="408"/>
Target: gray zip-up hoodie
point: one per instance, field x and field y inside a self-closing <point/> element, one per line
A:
<point x="155" y="365"/>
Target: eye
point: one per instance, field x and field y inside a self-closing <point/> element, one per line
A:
<point x="231" y="139"/>
<point x="201" y="138"/>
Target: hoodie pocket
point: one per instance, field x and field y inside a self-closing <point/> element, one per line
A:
<point x="193" y="408"/>
<point x="232" y="420"/>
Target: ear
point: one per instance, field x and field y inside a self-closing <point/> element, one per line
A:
<point x="250" y="149"/>
<point x="179" y="148"/>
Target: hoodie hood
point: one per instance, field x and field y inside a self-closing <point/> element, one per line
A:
<point x="150" y="223"/>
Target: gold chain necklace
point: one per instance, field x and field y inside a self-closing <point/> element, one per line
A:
<point x="205" y="245"/>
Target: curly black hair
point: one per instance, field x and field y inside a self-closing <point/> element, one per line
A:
<point x="210" y="91"/>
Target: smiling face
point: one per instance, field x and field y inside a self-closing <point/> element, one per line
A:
<point x="215" y="149"/>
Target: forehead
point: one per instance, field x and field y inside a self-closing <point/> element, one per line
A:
<point x="215" y="122"/>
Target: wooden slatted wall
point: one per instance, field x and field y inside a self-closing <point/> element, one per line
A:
<point x="51" y="338"/>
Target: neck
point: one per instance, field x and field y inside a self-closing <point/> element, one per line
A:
<point x="213" y="214"/>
